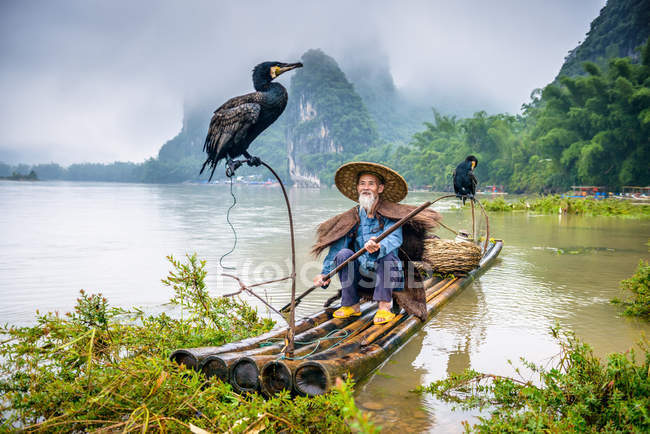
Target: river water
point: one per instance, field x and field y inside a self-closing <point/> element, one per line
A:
<point x="59" y="237"/>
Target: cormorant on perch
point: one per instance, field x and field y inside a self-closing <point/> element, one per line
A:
<point x="241" y="119"/>
<point x="464" y="180"/>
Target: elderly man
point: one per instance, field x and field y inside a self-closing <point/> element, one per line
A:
<point x="378" y="272"/>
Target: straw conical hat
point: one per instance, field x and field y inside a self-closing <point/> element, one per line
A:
<point x="347" y="176"/>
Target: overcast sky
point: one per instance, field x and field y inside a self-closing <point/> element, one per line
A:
<point x="99" y="81"/>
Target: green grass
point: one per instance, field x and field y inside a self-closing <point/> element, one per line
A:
<point x="639" y="287"/>
<point x="581" y="393"/>
<point x="100" y="368"/>
<point x="558" y="205"/>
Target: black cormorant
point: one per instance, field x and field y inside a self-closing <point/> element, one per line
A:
<point x="241" y="119"/>
<point x="464" y="179"/>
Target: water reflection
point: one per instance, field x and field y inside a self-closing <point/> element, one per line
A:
<point x="445" y="345"/>
<point x="459" y="359"/>
<point x="387" y="393"/>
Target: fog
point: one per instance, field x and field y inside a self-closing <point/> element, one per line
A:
<point x="91" y="81"/>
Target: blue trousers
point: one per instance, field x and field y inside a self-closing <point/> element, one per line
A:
<point x="387" y="277"/>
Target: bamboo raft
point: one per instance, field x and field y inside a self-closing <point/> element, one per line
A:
<point x="325" y="347"/>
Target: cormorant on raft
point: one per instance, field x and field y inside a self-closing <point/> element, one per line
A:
<point x="241" y="119"/>
<point x="464" y="180"/>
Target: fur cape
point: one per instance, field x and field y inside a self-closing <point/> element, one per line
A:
<point x="414" y="232"/>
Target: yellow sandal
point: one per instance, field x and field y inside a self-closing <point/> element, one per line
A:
<point x="345" y="312"/>
<point x="383" y="316"/>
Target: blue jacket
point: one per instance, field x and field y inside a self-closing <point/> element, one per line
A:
<point x="367" y="228"/>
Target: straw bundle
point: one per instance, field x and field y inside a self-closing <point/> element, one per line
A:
<point x="448" y="256"/>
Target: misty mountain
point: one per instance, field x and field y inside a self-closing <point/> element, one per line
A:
<point x="396" y="117"/>
<point x="331" y="116"/>
<point x="325" y="116"/>
<point x="619" y="30"/>
<point x="329" y="112"/>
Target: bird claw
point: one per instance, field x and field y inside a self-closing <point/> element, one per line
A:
<point x="232" y="166"/>
<point x="254" y="161"/>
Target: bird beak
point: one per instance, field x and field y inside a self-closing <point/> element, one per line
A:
<point x="473" y="165"/>
<point x="287" y="67"/>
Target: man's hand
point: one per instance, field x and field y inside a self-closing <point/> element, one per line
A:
<point x="318" y="281"/>
<point x="372" y="246"/>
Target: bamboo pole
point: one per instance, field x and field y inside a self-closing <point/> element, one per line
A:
<point x="220" y="364"/>
<point x="245" y="373"/>
<point x="433" y="287"/>
<point x="471" y="201"/>
<point x="354" y="343"/>
<point x="487" y="226"/>
<point x="316" y="377"/>
<point x="382" y="329"/>
<point x="433" y="294"/>
<point x="194" y="357"/>
<point x="277" y="375"/>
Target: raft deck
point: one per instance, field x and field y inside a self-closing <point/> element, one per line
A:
<point x="326" y="347"/>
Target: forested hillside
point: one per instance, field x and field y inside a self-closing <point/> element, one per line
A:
<point x="620" y="28"/>
<point x="592" y="129"/>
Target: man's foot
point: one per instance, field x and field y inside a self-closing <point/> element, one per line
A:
<point x="384" y="305"/>
<point x="383" y="316"/>
<point x="346" y="311"/>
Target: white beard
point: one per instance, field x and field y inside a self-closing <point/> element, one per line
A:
<point x="367" y="201"/>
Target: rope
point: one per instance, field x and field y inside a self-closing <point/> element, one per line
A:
<point x="234" y="202"/>
<point x="331" y="335"/>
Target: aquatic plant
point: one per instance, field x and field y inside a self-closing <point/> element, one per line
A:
<point x="554" y="204"/>
<point x="639" y="286"/>
<point x="580" y="393"/>
<point x="107" y="369"/>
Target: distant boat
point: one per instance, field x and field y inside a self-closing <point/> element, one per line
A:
<point x="635" y="193"/>
<point x="584" y="191"/>
<point x="492" y="189"/>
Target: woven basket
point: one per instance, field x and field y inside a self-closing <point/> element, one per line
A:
<point x="448" y="256"/>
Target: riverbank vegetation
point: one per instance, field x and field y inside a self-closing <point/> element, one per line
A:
<point x="580" y="393"/>
<point x="108" y="369"/>
<point x="638" y="304"/>
<point x="585" y="130"/>
<point x="555" y="204"/>
<point x="15" y="176"/>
